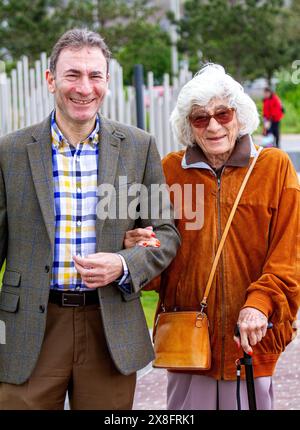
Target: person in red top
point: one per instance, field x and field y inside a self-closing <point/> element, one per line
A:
<point x="272" y="113"/>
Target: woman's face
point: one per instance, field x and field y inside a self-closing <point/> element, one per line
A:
<point x="215" y="139"/>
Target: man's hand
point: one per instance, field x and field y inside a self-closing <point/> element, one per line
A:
<point x="98" y="270"/>
<point x="253" y="326"/>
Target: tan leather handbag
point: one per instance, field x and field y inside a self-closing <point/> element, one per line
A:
<point x="181" y="338"/>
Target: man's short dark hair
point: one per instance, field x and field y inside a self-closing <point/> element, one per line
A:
<point x="78" y="38"/>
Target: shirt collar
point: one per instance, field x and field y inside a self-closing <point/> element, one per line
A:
<point x="58" y="139"/>
<point x="244" y="149"/>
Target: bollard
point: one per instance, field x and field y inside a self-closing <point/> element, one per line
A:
<point x="138" y="84"/>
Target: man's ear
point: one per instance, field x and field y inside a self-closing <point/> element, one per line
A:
<point x="50" y="81"/>
<point x="107" y="78"/>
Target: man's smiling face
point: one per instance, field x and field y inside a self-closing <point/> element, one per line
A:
<point x="79" y="84"/>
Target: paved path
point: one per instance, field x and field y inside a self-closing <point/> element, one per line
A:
<point x="152" y="384"/>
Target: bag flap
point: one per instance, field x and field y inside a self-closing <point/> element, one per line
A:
<point x="8" y="301"/>
<point x="11" y="277"/>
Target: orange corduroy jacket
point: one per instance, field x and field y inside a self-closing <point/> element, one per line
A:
<point x="260" y="263"/>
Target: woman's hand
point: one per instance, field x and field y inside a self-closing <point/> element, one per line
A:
<point x="142" y="237"/>
<point x="253" y="326"/>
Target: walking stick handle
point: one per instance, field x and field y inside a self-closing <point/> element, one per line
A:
<point x="237" y="329"/>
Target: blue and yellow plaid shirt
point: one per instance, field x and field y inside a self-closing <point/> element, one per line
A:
<point x="75" y="199"/>
<point x="75" y="172"/>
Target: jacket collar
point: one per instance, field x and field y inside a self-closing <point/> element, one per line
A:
<point x="244" y="149"/>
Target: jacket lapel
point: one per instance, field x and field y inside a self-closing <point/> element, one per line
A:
<point x="40" y="158"/>
<point x="109" y="148"/>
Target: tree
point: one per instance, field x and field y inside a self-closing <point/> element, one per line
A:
<point x="292" y="30"/>
<point x="28" y="28"/>
<point x="146" y="44"/>
<point x="246" y="36"/>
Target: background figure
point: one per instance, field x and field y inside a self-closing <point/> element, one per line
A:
<point x="257" y="278"/>
<point x="272" y="113"/>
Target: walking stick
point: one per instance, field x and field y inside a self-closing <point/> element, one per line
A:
<point x="247" y="362"/>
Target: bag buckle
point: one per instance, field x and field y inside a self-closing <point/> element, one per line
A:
<point x="203" y="306"/>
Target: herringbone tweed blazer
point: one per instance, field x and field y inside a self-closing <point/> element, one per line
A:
<point x="27" y="229"/>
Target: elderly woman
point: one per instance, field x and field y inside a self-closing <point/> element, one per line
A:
<point x="257" y="278"/>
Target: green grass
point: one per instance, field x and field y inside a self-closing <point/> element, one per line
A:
<point x="1" y="274"/>
<point x="149" y="300"/>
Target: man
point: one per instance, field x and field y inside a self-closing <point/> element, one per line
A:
<point x="272" y="113"/>
<point x="70" y="295"/>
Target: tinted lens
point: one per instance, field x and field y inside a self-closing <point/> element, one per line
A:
<point x="224" y="116"/>
<point x="200" y="121"/>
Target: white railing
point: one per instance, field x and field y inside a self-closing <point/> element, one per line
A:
<point x="25" y="100"/>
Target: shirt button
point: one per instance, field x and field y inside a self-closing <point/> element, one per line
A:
<point x="77" y="287"/>
<point x="47" y="269"/>
<point x="78" y="222"/>
<point x="42" y="309"/>
<point x="78" y="190"/>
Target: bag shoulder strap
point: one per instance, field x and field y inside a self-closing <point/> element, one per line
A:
<point x="226" y="230"/>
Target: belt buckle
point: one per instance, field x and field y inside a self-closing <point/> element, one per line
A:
<point x="65" y="297"/>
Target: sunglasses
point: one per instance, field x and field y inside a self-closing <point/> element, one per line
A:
<point x="202" y="120"/>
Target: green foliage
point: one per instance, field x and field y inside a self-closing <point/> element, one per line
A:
<point x="28" y="27"/>
<point x="246" y="36"/>
<point x="289" y="93"/>
<point x="146" y="44"/>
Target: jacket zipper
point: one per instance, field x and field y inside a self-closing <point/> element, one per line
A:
<point x="221" y="276"/>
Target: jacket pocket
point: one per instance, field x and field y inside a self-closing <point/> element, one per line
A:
<point x="12" y="278"/>
<point x="9" y="302"/>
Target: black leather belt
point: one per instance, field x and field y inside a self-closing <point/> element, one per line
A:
<point x="74" y="299"/>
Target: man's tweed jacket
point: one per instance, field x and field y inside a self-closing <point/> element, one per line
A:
<point x="27" y="226"/>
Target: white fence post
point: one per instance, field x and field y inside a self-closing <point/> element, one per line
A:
<point x="20" y="94"/>
<point x="151" y="103"/>
<point x="15" y="99"/>
<point x="45" y="93"/>
<point x="39" y="95"/>
<point x="26" y="91"/>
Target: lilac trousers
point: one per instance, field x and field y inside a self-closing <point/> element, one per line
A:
<point x="197" y="392"/>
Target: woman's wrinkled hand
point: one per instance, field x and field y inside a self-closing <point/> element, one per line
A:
<point x="253" y="326"/>
<point x="141" y="237"/>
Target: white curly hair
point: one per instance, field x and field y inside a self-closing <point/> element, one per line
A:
<point x="208" y="83"/>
